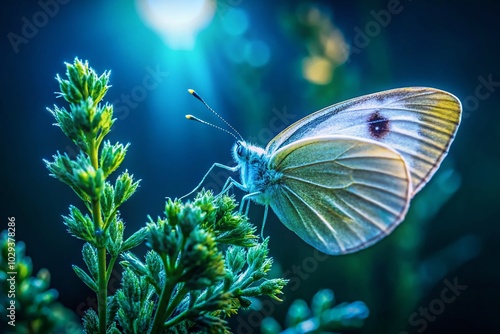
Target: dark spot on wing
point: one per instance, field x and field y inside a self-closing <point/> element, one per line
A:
<point x="378" y="125"/>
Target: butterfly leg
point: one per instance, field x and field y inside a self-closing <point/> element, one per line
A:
<point x="231" y="169"/>
<point x="264" y="219"/>
<point x="246" y="199"/>
<point x="230" y="182"/>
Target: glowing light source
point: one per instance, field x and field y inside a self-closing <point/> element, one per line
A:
<point x="178" y="22"/>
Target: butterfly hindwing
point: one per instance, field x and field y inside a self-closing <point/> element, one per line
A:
<point x="340" y="193"/>
<point x="419" y="123"/>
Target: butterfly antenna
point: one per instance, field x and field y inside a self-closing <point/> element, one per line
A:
<point x="193" y="118"/>
<point x="192" y="92"/>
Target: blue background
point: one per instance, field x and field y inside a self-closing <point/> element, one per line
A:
<point x="253" y="62"/>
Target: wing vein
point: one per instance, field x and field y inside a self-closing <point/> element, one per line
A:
<point x="306" y="223"/>
<point x="374" y="202"/>
<point x="381" y="228"/>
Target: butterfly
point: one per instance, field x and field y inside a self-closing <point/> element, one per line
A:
<point x="343" y="177"/>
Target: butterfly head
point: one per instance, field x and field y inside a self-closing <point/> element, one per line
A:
<point x="244" y="153"/>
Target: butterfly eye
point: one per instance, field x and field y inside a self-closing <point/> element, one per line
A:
<point x="240" y="150"/>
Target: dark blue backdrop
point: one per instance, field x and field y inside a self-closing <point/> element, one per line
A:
<point x="263" y="65"/>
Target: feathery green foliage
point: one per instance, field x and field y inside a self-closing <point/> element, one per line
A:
<point x="205" y="259"/>
<point x="322" y="317"/>
<point x="36" y="309"/>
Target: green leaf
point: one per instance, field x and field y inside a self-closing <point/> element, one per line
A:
<point x="189" y="217"/>
<point x="298" y="312"/>
<point x="83" y="83"/>
<point x="115" y="231"/>
<point x="104" y="120"/>
<point x="235" y="259"/>
<point x="212" y="324"/>
<point x="90" y="257"/>
<point x="202" y="262"/>
<point x="136" y="307"/>
<point x="112" y="156"/>
<point x="107" y="200"/>
<point x="273" y="287"/>
<point x="144" y="320"/>
<point x="131" y="261"/>
<point x="82" y="114"/>
<point x="155" y="268"/>
<point x="163" y="238"/>
<point x="90" y="322"/>
<point x="322" y="301"/>
<point x="124" y="188"/>
<point x="67" y="124"/>
<point x="113" y="330"/>
<point x="229" y="227"/>
<point x="63" y="169"/>
<point x="345" y="316"/>
<point x="79" y="174"/>
<point x="79" y="225"/>
<point x="85" y="278"/>
<point x="172" y="210"/>
<point x="113" y="307"/>
<point x="258" y="261"/>
<point x="135" y="239"/>
<point x="270" y="326"/>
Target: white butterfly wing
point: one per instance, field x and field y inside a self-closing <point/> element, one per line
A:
<point x="340" y="194"/>
<point x="419" y="123"/>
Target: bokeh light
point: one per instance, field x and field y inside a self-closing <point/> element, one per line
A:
<point x="257" y="53"/>
<point x="317" y="70"/>
<point x="177" y="22"/>
<point x="235" y="22"/>
<point x="239" y="48"/>
<point x="327" y="48"/>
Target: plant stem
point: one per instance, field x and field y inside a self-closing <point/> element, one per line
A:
<point x="166" y="294"/>
<point x="175" y="302"/>
<point x="184" y="315"/>
<point x="177" y="319"/>
<point x="103" y="289"/>
<point x="110" y="268"/>
<point x="101" y="249"/>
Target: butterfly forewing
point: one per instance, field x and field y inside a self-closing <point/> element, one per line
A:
<point x="339" y="193"/>
<point x="419" y="123"/>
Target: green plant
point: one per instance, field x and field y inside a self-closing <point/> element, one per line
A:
<point x="205" y="260"/>
<point x="36" y="309"/>
<point x="322" y="317"/>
